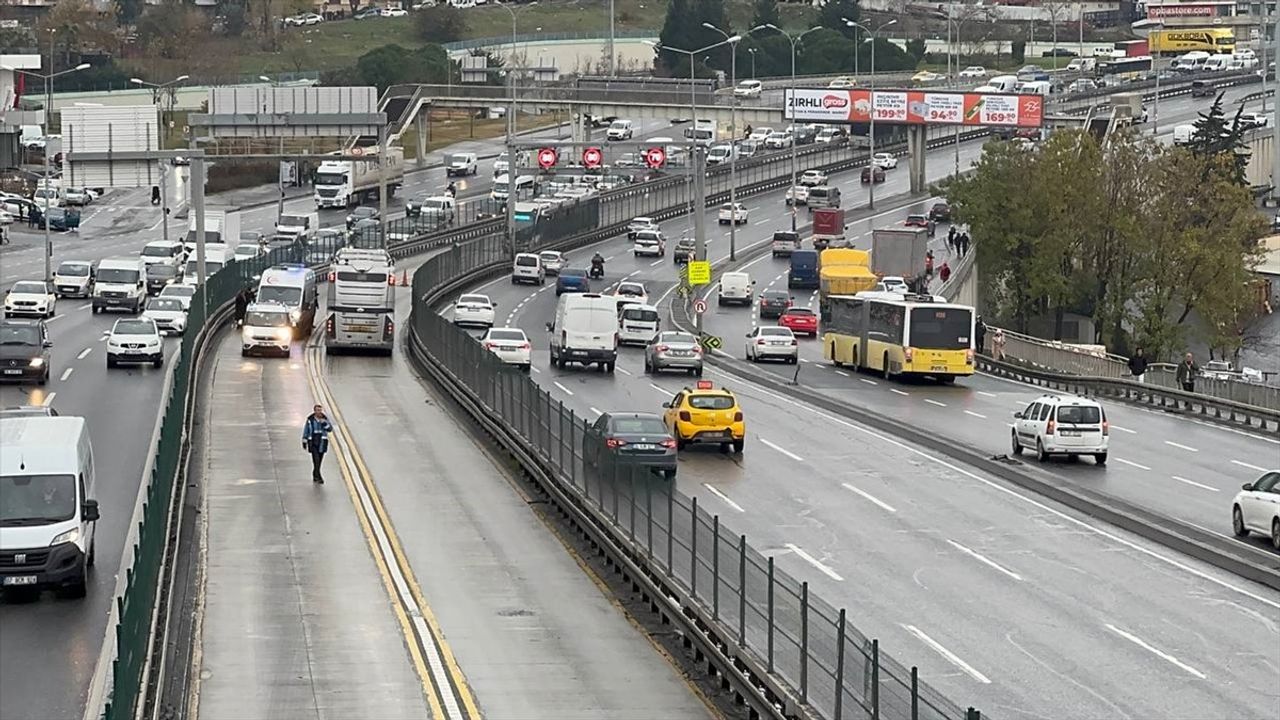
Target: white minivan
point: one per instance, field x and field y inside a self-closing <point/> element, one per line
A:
<point x="585" y="331"/>
<point x="638" y="324"/>
<point x="48" y="516"/>
<point x="619" y="130"/>
<point x="121" y="284"/>
<point x="735" y="287"/>
<point x="527" y="268"/>
<point x="1004" y="83"/>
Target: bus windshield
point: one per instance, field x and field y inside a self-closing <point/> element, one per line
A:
<point x="941" y="328"/>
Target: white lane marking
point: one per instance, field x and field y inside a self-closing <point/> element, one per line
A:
<point x="825" y="570"/>
<point x="1154" y="651"/>
<point x="782" y="450"/>
<point x="935" y="402"/>
<point x="1194" y="483"/>
<point x="84" y="352"/>
<point x="624" y="371"/>
<point x="900" y="392"/>
<point x="1014" y="494"/>
<point x="724" y="498"/>
<point x="977" y="415"/>
<point x="656" y="263"/>
<point x="1130" y="462"/>
<point x="985" y="560"/>
<point x="869" y="496"/>
<point x="660" y="389"/>
<point x="986" y="394"/>
<point x="48" y="399"/>
<point x="1180" y="446"/>
<point x="842" y="373"/>
<point x="947" y="654"/>
<point x="1247" y="465"/>
<point x="534" y="369"/>
<point x="1124" y="429"/>
<point x="59" y="316"/>
<point x="563" y="389"/>
<point x="66" y="374"/>
<point x="869" y="382"/>
<point x="85" y="306"/>
<point x="595" y="411"/>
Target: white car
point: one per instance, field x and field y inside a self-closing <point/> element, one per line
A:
<point x="749" y="89"/>
<point x="798" y="195"/>
<point x="735" y="213"/>
<point x="632" y="292"/>
<point x="1253" y="120"/>
<point x="813" y="177"/>
<point x="77" y="196"/>
<point x="511" y="346"/>
<point x="640" y="223"/>
<point x="770" y="342"/>
<point x="884" y="160"/>
<point x="778" y="139"/>
<point x="168" y="314"/>
<point x="649" y="242"/>
<point x="552" y="261"/>
<point x="1257" y="508"/>
<point x="134" y="340"/>
<point x="842" y="83"/>
<point x="32" y="298"/>
<point x="73" y="278"/>
<point x="1058" y="425"/>
<point x="394" y="12"/>
<point x="474" y="310"/>
<point x="760" y="134"/>
<point x="247" y="251"/>
<point x="974" y="71"/>
<point x="182" y="293"/>
<point x="895" y="284"/>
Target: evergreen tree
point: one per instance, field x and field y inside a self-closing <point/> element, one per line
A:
<point x="765" y="13"/>
<point x="1215" y="135"/>
<point x="673" y="34"/>
<point x="834" y="12"/>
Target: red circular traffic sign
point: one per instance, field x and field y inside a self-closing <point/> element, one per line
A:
<point x="655" y="157"/>
<point x="699" y="306"/>
<point x="547" y="158"/>
<point x="592" y="158"/>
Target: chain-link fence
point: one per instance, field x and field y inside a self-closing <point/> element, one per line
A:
<point x="808" y="643"/>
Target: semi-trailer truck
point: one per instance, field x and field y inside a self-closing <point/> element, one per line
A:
<point x="347" y="183"/>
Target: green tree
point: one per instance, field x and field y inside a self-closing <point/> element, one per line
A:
<point x="834" y="12"/>
<point x="1018" y="51"/>
<point x="1216" y="135"/>
<point x="394" y="65"/>
<point x="673" y="34"/>
<point x="441" y="23"/>
<point x="916" y="48"/>
<point x="765" y="12"/>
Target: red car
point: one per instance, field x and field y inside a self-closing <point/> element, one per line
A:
<point x="801" y="321"/>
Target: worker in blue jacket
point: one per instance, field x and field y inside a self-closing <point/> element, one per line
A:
<point x="315" y="440"/>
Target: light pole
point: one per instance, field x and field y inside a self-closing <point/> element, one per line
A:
<point x="1155" y="67"/>
<point x="512" y="173"/>
<point x="753" y="62"/>
<point x="48" y="113"/>
<point x="733" y="137"/>
<point x="794" y="40"/>
<point x="158" y="89"/>
<point x="871" y="192"/>
<point x="854" y="26"/>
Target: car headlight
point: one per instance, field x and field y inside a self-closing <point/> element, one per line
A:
<point x="70" y="536"/>
<point x="295" y="315"/>
<point x="247" y="333"/>
<point x="284" y="334"/>
<point x="37" y="362"/>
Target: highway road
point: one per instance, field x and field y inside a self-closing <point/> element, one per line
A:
<point x="1007" y="602"/>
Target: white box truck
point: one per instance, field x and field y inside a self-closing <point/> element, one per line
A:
<point x="220" y="228"/>
<point x="347" y="183"/>
<point x="297" y="225"/>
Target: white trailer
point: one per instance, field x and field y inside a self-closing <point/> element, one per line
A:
<point x="220" y="227"/>
<point x="347" y="183"/>
<point x="362" y="301"/>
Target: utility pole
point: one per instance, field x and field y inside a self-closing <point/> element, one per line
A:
<point x="733" y="140"/>
<point x="382" y="184"/>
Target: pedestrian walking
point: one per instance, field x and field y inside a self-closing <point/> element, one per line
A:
<point x="997" y="344"/>
<point x="944" y="272"/>
<point x="4" y="236"/>
<point x="981" y="332"/>
<point x="315" y="440"/>
<point x="928" y="265"/>
<point x="242" y="304"/>
<point x="951" y="240"/>
<point x="1138" y="365"/>
<point x="964" y="243"/>
<point x="1187" y="372"/>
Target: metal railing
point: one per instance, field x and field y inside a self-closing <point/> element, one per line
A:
<point x="768" y="620"/>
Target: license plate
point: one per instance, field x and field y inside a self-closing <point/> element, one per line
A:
<point x="20" y="580"/>
<point x="680" y="353"/>
<point x="509" y="348"/>
<point x="644" y="446"/>
<point x="716" y="434"/>
<point x="1070" y="433"/>
<point x="112" y="302"/>
<point x="17" y="371"/>
<point x="361" y="328"/>
<point x="779" y="344"/>
<point x="938" y="368"/>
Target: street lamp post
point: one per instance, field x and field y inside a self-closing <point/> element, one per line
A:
<point x="158" y="89"/>
<point x="1155" y="67"/>
<point x="794" y="40"/>
<point x="733" y="139"/>
<point x="48" y="112"/>
<point x="511" y="130"/>
<point x="871" y="192"/>
<point x="854" y="26"/>
<point x="753" y="62"/>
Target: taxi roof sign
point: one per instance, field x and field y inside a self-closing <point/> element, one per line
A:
<point x="705" y="385"/>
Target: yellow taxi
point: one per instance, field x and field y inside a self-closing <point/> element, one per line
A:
<point x="706" y="414"/>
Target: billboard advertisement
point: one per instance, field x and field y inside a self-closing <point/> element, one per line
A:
<point x="1177" y="10"/>
<point x="915" y="107"/>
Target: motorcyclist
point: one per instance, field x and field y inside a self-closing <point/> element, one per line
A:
<point x="452" y="190"/>
<point x="597" y="264"/>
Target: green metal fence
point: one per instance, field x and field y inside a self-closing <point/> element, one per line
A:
<point x="136" y="605"/>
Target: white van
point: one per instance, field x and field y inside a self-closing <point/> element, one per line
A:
<point x="1218" y="63"/>
<point x="120" y="284"/>
<point x="1004" y="83"/>
<point x="637" y="324"/>
<point x="735" y="287"/>
<point x="585" y="331"/>
<point x="619" y="130"/>
<point x="1182" y="134"/>
<point x="215" y="256"/>
<point x="48" y="516"/>
<point x="1190" y="62"/>
<point x="527" y="268"/>
<point x="294" y="286"/>
<point x="501" y="187"/>
<point x="722" y="153"/>
<point x="168" y="252"/>
<point x="1035" y="87"/>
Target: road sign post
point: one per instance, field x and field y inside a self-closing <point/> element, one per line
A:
<point x="592" y="158"/>
<point x="699" y="306"/>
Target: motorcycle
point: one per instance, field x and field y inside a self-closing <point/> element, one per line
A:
<point x="597" y="271"/>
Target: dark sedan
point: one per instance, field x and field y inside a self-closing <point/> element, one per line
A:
<point x="618" y="442"/>
<point x="24" y="350"/>
<point x="872" y="173"/>
<point x="940" y="212"/>
<point x="684" y="251"/>
<point x="572" y="280"/>
<point x="159" y="275"/>
<point x="773" y="303"/>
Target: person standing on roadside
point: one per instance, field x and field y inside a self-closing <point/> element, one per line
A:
<point x="315" y="440"/>
<point x="1187" y="372"/>
<point x="1138" y="365"/>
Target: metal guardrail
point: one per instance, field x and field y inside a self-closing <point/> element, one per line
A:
<point x="793" y="654"/>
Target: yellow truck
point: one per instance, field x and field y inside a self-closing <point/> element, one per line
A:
<point x="843" y="271"/>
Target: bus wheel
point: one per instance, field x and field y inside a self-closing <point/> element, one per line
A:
<point x="947" y="379"/>
<point x="888" y="374"/>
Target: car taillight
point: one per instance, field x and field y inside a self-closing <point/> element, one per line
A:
<point x="1048" y="429"/>
<point x="490" y="346"/>
<point x="389" y="328"/>
<point x="968" y="356"/>
<point x="760" y="341"/>
<point x="328" y="326"/>
<point x="524" y="346"/>
<point x="697" y="349"/>
<point x="685" y="416"/>
<point x="669" y="443"/>
<point x="332" y="276"/>
<point x="793" y="341"/>
<point x="1106" y="428"/>
<point x="907" y="353"/>
<point x="662" y="348"/>
<point x="737" y="417"/>
<point x="615" y="443"/>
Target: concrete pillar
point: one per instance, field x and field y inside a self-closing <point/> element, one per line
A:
<point x="420" y="124"/>
<point x="917" y="146"/>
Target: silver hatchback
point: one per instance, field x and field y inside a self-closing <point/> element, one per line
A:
<point x="673" y="351"/>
